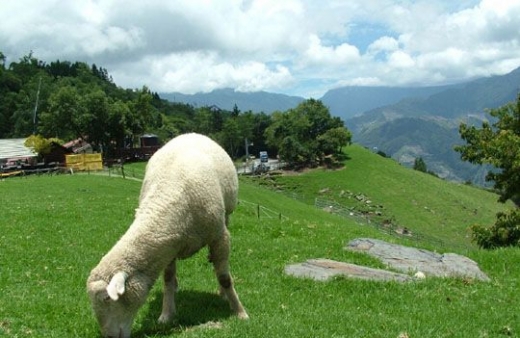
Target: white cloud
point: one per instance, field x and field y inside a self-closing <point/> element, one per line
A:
<point x="299" y="47"/>
<point x="383" y="44"/>
<point x="193" y="72"/>
<point x="316" y="53"/>
<point x="400" y="59"/>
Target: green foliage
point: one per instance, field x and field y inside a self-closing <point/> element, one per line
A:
<point x="505" y="231"/>
<point x="420" y="165"/>
<point x="41" y="145"/>
<point x="497" y="144"/>
<point x="305" y="135"/>
<point x="78" y="100"/>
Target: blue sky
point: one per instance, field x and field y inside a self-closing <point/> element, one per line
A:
<point x="295" y="47"/>
<point x="363" y="34"/>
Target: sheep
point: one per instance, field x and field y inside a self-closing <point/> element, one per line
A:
<point x="189" y="190"/>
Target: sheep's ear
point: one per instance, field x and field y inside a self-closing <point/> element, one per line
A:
<point x="116" y="287"/>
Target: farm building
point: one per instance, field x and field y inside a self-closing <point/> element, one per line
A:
<point x="57" y="154"/>
<point x="13" y="151"/>
<point x="148" y="145"/>
<point x="149" y="140"/>
<point x="79" y="146"/>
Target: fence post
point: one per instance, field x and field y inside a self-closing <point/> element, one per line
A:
<point x="258" y="211"/>
<point x="123" y="171"/>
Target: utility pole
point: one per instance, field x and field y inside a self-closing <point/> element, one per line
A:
<point x="36" y="105"/>
<point x="247" y="148"/>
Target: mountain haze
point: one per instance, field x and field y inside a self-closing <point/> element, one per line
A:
<point x="427" y="127"/>
<point x="347" y="102"/>
<point x="227" y="98"/>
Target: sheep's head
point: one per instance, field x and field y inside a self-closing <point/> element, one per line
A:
<point x="113" y="307"/>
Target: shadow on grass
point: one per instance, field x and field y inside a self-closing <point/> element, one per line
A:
<point x="193" y="308"/>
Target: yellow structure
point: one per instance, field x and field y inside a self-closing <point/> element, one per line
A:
<point x="84" y="162"/>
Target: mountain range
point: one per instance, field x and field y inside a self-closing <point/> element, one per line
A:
<point x="227" y="98"/>
<point x="403" y="122"/>
<point x="427" y="126"/>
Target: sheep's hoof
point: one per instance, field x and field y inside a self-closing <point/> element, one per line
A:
<point x="243" y="315"/>
<point x="165" y="318"/>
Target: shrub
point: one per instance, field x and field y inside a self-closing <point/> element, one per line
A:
<point x="505" y="231"/>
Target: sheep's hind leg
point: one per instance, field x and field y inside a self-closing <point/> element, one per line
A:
<point x="170" y="287"/>
<point x="219" y="256"/>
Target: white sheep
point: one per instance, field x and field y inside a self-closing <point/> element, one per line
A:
<point x="189" y="190"/>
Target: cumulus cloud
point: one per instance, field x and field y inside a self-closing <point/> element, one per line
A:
<point x="301" y="47"/>
<point x="330" y="55"/>
<point x="202" y="71"/>
<point x="383" y="44"/>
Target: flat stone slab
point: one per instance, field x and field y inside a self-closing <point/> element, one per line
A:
<point x="325" y="269"/>
<point x="410" y="260"/>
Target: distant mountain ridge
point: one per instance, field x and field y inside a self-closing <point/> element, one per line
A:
<point x="449" y="100"/>
<point x="348" y="102"/>
<point x="427" y="127"/>
<point x="227" y="98"/>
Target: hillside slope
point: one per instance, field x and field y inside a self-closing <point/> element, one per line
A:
<point x="420" y="202"/>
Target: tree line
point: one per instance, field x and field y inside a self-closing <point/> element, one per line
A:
<point x="66" y="100"/>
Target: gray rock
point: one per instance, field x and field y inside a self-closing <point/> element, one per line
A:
<point x="410" y="260"/>
<point x="325" y="269"/>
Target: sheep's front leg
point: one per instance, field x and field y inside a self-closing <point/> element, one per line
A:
<point x="219" y="256"/>
<point x="170" y="287"/>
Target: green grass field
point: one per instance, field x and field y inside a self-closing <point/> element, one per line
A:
<point x="412" y="199"/>
<point x="56" y="228"/>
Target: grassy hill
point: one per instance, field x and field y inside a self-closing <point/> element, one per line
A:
<point x="415" y="200"/>
<point x="56" y="228"/>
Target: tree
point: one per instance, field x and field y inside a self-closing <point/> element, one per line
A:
<point x="420" y="165"/>
<point x="292" y="152"/>
<point x="309" y="129"/>
<point x="145" y="116"/>
<point x="333" y="140"/>
<point x="118" y="124"/>
<point x="64" y="114"/>
<point x="94" y="121"/>
<point x="498" y="144"/>
<point x="235" y="111"/>
<point x="42" y="146"/>
<point x="230" y="138"/>
<point x="2" y="60"/>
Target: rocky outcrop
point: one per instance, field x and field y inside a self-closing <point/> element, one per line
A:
<point x="325" y="269"/>
<point x="410" y="261"/>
